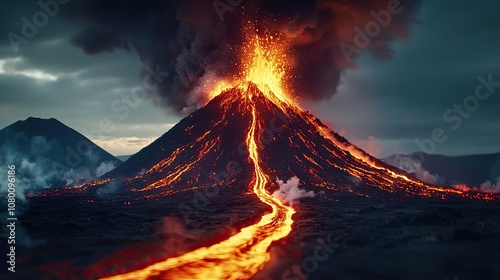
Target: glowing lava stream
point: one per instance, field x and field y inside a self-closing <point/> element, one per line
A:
<point x="242" y="255"/>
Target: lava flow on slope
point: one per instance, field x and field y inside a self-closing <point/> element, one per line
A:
<point x="251" y="125"/>
<point x="243" y="254"/>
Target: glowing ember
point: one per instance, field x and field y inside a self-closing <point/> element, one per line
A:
<point x="265" y="64"/>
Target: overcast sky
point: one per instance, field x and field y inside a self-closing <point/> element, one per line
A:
<point x="383" y="106"/>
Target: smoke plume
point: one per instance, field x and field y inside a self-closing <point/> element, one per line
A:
<point x="410" y="165"/>
<point x="104" y="167"/>
<point x="199" y="41"/>
<point x="290" y="192"/>
<point x="35" y="169"/>
<point x="486" y="187"/>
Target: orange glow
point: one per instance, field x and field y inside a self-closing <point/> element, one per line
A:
<point x="218" y="88"/>
<point x="426" y="190"/>
<point x="91" y="184"/>
<point x="176" y="174"/>
<point x="264" y="63"/>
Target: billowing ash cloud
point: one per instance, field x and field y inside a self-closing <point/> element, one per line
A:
<point x="197" y="41"/>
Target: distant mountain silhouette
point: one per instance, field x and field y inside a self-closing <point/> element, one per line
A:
<point x="123" y="158"/>
<point x="48" y="153"/>
<point x="472" y="170"/>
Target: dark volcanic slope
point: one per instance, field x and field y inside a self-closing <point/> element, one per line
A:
<point x="204" y="148"/>
<point x="208" y="148"/>
<point x="48" y="153"/>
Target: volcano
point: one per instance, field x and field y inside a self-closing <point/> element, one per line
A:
<point x="242" y="142"/>
<point x="210" y="148"/>
<point x="235" y="152"/>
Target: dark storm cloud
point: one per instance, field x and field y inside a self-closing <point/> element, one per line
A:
<point x="433" y="81"/>
<point x="82" y="87"/>
<point x="25" y="22"/>
<point x="80" y="92"/>
<point x="187" y="38"/>
<point x="439" y="67"/>
<point x="17" y="89"/>
<point x="327" y="38"/>
<point x="159" y="33"/>
<point x="59" y="57"/>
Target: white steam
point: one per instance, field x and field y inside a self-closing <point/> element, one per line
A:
<point x="35" y="170"/>
<point x="410" y="165"/>
<point x="104" y="168"/>
<point x="290" y="192"/>
<point x="413" y="166"/>
<point x="486" y="187"/>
